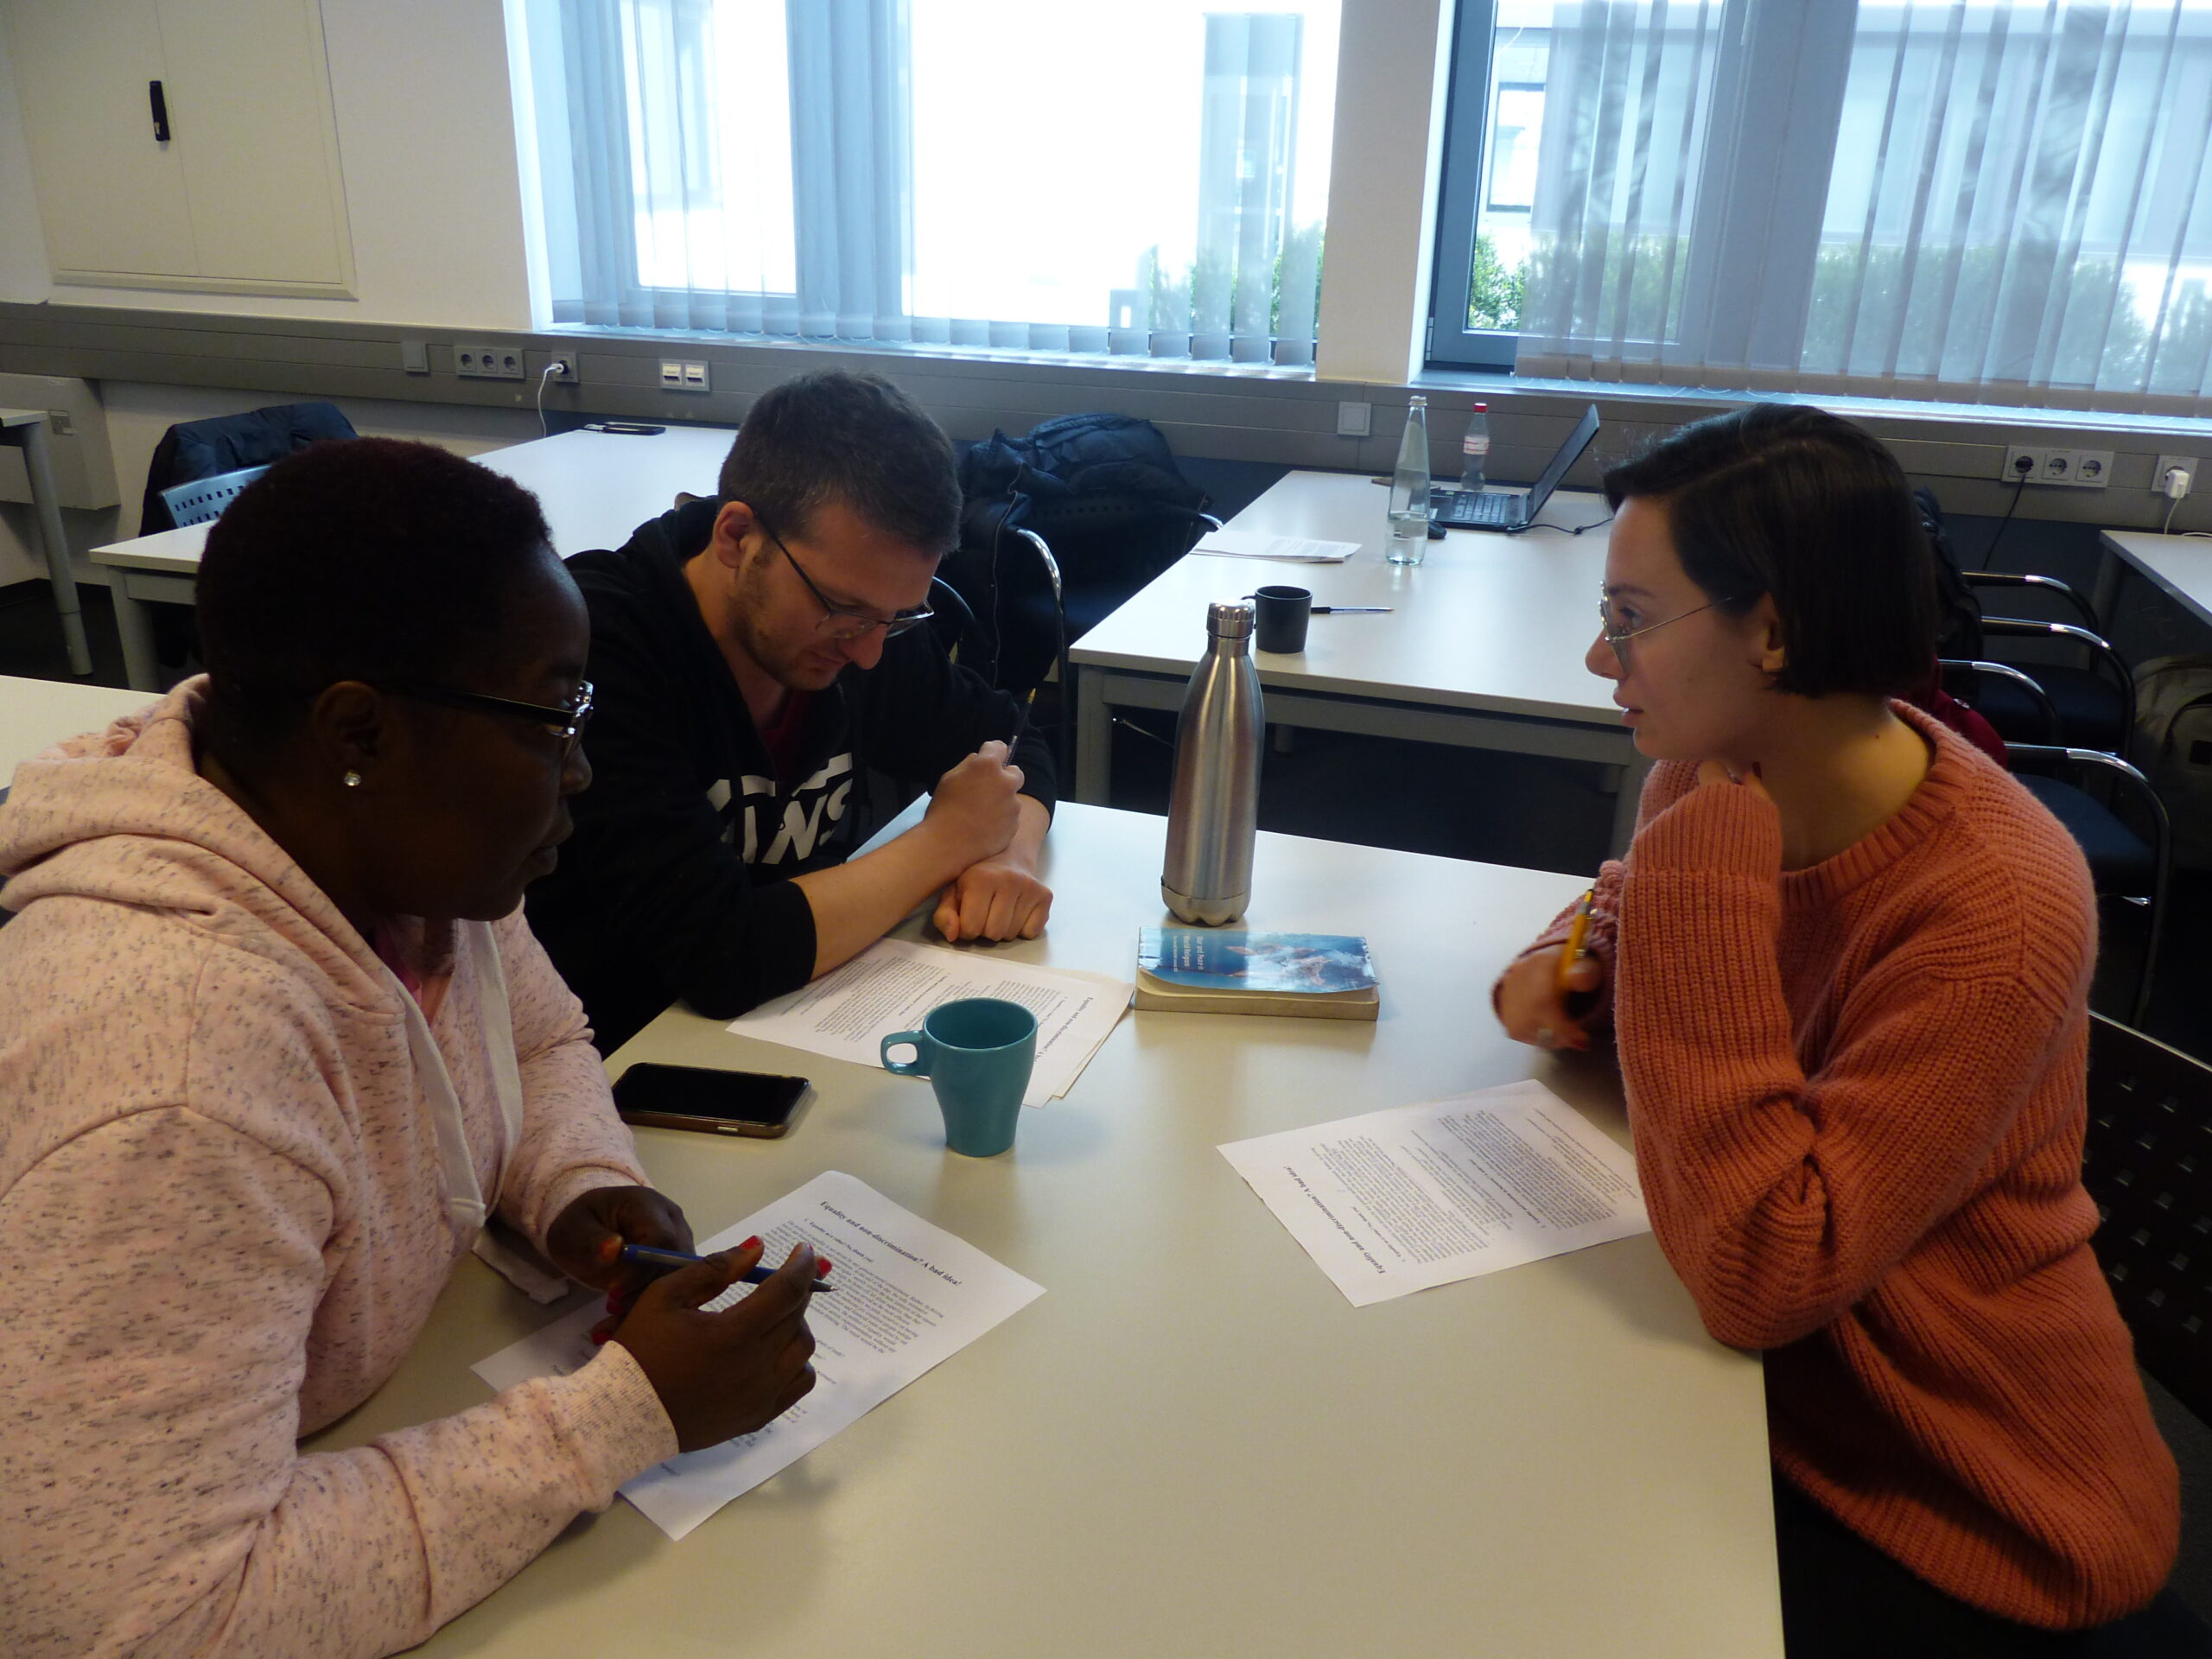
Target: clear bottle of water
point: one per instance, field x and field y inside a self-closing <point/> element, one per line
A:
<point x="1474" y="450"/>
<point x="1409" y="488"/>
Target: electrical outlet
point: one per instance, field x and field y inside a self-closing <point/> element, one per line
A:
<point x="488" y="362"/>
<point x="1355" y="420"/>
<point x="2166" y="464"/>
<point x="2091" y="469"/>
<point x="682" y="376"/>
<point x="540" y="361"/>
<point x="2077" y="469"/>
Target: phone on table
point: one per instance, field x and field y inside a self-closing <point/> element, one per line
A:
<point x="714" y="1103"/>
<point x="625" y="428"/>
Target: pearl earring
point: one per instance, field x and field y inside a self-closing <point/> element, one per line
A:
<point x="353" y="780"/>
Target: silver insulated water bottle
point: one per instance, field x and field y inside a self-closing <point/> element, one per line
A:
<point x="1213" y="814"/>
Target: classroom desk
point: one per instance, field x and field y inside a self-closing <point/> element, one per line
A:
<point x="1483" y="649"/>
<point x="25" y="429"/>
<point x="1191" y="1443"/>
<point x="2178" y="566"/>
<point x="595" y="487"/>
<point x="34" y="713"/>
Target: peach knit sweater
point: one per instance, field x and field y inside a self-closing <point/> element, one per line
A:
<point x="1856" y="1092"/>
<point x="219" y="1206"/>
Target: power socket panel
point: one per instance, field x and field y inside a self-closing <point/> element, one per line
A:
<point x="538" y="362"/>
<point x="2166" y="464"/>
<point x="479" y="362"/>
<point x="676" y="376"/>
<point x="2074" y="469"/>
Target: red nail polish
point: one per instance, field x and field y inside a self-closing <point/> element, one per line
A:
<point x="600" y="1338"/>
<point x="822" y="1265"/>
<point x="753" y="1243"/>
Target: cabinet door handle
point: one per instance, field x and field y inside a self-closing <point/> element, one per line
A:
<point x="161" y="111"/>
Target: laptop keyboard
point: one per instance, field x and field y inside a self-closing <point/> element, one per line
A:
<point x="1466" y="507"/>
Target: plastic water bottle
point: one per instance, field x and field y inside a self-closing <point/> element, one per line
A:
<point x="1213" y="814"/>
<point x="1474" y="450"/>
<point x="1409" y="488"/>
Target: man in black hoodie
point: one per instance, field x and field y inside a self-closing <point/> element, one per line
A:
<point x="756" y="660"/>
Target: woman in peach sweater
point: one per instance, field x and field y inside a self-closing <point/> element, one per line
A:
<point x="274" y="1040"/>
<point x="1846" y="962"/>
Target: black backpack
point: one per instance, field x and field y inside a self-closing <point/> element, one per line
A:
<point x="1104" y="493"/>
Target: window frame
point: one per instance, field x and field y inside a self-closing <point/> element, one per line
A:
<point x="1450" y="343"/>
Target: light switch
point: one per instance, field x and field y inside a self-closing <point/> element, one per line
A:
<point x="1355" y="420"/>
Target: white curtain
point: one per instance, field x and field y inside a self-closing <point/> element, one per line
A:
<point x="1143" y="178"/>
<point x="1980" y="201"/>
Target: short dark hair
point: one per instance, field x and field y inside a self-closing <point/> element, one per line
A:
<point x="369" y="559"/>
<point x="1794" y="502"/>
<point x="850" y="438"/>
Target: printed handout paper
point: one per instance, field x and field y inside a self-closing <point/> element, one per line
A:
<point x="894" y="982"/>
<point x="909" y="1295"/>
<point x="1399" y="1200"/>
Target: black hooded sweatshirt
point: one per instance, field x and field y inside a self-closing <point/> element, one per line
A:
<point x="676" y="883"/>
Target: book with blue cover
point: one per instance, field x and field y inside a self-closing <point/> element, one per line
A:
<point x="1218" y="971"/>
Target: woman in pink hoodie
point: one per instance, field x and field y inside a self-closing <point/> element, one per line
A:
<point x="274" y="1043"/>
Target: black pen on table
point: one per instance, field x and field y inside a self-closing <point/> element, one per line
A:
<point x="1351" y="610"/>
<point x="646" y="1255"/>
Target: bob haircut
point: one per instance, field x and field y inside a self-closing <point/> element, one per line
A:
<point x="850" y="438"/>
<point x="370" y="559"/>
<point x="1781" y="499"/>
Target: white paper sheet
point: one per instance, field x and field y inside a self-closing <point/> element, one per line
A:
<point x="1252" y="545"/>
<point x="909" y="1296"/>
<point x="1400" y="1200"/>
<point x="894" y="982"/>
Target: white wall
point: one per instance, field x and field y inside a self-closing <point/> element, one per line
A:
<point x="426" y="138"/>
<point x="433" y="195"/>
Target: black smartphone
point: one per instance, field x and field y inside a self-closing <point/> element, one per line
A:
<point x="714" y="1103"/>
<point x="625" y="428"/>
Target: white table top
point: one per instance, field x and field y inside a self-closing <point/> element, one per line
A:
<point x="595" y="487"/>
<point x="1191" y="1443"/>
<point x="1496" y="623"/>
<point x="22" y="416"/>
<point x="34" y="713"/>
<point x="2180" y="565"/>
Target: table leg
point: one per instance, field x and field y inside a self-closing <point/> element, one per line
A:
<point x="141" y="668"/>
<point x="46" y="505"/>
<point x="1094" y="739"/>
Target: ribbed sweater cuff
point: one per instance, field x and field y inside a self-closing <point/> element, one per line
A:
<point x="1718" y="827"/>
<point x="613" y="1422"/>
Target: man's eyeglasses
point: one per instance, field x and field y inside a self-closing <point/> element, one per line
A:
<point x="566" y="723"/>
<point x="1618" y="631"/>
<point x="836" y="622"/>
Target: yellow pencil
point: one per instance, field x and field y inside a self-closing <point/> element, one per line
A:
<point x="1578" y="932"/>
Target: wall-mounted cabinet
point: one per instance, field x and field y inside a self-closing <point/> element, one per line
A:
<point x="244" y="195"/>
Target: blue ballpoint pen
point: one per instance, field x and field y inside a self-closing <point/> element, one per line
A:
<point x="645" y="1255"/>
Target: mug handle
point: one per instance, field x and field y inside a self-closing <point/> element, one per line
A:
<point x="916" y="1067"/>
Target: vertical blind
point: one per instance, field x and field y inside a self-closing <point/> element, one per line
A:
<point x="1146" y="178"/>
<point x="1977" y="200"/>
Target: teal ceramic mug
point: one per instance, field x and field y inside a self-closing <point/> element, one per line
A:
<point x="976" y="1053"/>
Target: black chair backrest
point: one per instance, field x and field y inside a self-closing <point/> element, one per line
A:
<point x="223" y="443"/>
<point x="2148" y="1164"/>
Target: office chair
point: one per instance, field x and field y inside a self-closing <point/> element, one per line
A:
<point x="2095" y="704"/>
<point x="2148" y="1163"/>
<point x="2082" y="788"/>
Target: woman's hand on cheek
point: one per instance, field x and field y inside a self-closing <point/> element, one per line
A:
<point x="1713" y="774"/>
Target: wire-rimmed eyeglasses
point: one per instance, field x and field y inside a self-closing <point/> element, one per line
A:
<point x="1618" y="637"/>
<point x="838" y="623"/>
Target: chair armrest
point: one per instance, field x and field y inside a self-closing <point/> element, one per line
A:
<point x="2050" y="585"/>
<point x="2006" y="672"/>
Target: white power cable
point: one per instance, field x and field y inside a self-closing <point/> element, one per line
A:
<point x="559" y="365"/>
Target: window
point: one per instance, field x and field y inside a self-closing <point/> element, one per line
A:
<point x="1987" y="200"/>
<point x="1142" y="179"/>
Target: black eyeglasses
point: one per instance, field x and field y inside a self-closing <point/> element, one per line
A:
<point x="836" y="622"/>
<point x="566" y="723"/>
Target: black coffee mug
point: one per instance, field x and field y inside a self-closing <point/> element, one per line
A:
<point x="1281" y="615"/>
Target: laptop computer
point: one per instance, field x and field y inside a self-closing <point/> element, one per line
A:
<point x="1485" y="510"/>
